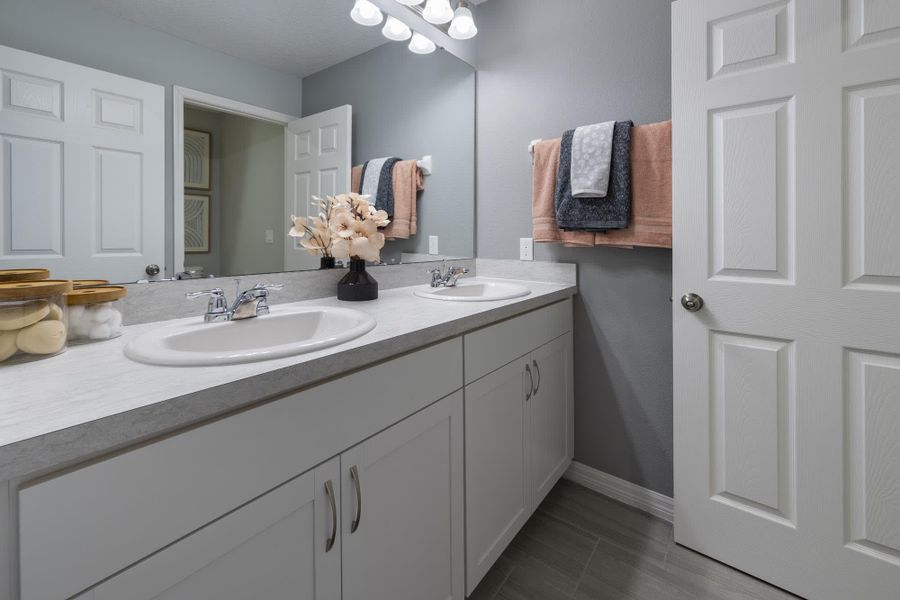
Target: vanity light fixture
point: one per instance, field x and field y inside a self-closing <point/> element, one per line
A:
<point x="366" y="13"/>
<point x="421" y="44"/>
<point x="463" y="25"/>
<point x="438" y="12"/>
<point x="410" y="2"/>
<point x="397" y="30"/>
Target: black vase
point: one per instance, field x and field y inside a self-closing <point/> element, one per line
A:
<point x="357" y="285"/>
<point x="326" y="262"/>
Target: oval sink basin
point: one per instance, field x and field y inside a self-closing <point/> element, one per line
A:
<point x="284" y="332"/>
<point x="474" y="290"/>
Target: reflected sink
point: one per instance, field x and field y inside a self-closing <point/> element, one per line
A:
<point x="474" y="290"/>
<point x="284" y="332"/>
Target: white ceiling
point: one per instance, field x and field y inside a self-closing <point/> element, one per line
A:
<point x="293" y="36"/>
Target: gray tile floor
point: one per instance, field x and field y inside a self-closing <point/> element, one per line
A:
<point x="584" y="546"/>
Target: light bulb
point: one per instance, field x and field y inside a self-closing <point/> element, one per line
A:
<point x="463" y="25"/>
<point x="421" y="44"/>
<point x="438" y="12"/>
<point x="397" y="30"/>
<point x="411" y="2"/>
<point x="366" y="13"/>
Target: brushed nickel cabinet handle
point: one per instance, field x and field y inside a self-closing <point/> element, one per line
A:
<point x="537" y="370"/>
<point x="354" y="475"/>
<point x="329" y="491"/>
<point x="531" y="383"/>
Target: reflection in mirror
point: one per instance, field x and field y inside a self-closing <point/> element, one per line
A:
<point x="199" y="139"/>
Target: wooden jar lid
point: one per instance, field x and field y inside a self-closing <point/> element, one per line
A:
<point x="7" y="275"/>
<point x="23" y="290"/>
<point x="95" y="295"/>
<point x="85" y="283"/>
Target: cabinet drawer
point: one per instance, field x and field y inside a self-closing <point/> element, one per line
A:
<point x="84" y="525"/>
<point x="488" y="349"/>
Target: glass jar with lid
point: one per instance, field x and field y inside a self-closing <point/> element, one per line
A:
<point x="33" y="319"/>
<point x="94" y="313"/>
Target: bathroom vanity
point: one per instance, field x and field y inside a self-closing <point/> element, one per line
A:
<point x="397" y="465"/>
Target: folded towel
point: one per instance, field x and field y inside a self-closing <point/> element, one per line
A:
<point x="586" y="214"/>
<point x="651" y="175"/>
<point x="591" y="158"/>
<point x="543" y="213"/>
<point x="378" y="183"/>
<point x="408" y="182"/>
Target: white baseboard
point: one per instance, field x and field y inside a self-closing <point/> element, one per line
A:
<point x="658" y="505"/>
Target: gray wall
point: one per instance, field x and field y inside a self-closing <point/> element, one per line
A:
<point x="68" y="30"/>
<point x="204" y="120"/>
<point x="543" y="68"/>
<point x="407" y="105"/>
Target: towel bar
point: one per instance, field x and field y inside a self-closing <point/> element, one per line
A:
<point x="426" y="164"/>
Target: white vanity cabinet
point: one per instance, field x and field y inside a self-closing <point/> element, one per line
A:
<point x="519" y="427"/>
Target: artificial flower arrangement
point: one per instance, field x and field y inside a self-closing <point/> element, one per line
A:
<point x="346" y="227"/>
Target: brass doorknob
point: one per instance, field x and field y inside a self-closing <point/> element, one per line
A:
<point x="692" y="302"/>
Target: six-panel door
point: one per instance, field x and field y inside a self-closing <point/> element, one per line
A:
<point x="403" y="509"/>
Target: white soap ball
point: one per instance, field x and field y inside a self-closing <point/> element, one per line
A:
<point x="99" y="332"/>
<point x="79" y="328"/>
<point x="102" y="312"/>
<point x="76" y="313"/>
<point x="115" y="322"/>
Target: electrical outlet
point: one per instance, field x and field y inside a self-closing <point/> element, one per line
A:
<point x="433" y="244"/>
<point x="526" y="248"/>
<point x="270" y="236"/>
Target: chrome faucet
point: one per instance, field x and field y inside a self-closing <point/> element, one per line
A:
<point x="247" y="305"/>
<point x="448" y="277"/>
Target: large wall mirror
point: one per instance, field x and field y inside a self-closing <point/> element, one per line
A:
<point x="185" y="133"/>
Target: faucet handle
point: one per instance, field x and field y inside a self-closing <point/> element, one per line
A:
<point x="269" y="286"/>
<point x="217" y="307"/>
<point x="214" y="293"/>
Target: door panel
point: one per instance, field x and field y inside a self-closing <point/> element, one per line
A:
<point x="785" y="223"/>
<point x="82" y="169"/>
<point x="317" y="163"/>
<point x="550" y="416"/>
<point x="273" y="548"/>
<point x="497" y="472"/>
<point x="407" y="543"/>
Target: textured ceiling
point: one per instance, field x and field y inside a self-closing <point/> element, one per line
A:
<point x="294" y="36"/>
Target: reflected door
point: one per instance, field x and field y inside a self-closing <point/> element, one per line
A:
<point x="787" y="212"/>
<point x="82" y="170"/>
<point x="317" y="163"/>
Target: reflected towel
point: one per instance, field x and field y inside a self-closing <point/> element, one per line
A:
<point x="591" y="160"/>
<point x="543" y="214"/>
<point x="408" y="181"/>
<point x="651" y="177"/>
<point x="378" y="183"/>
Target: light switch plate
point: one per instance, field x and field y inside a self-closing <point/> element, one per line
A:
<point x="433" y="244"/>
<point x="526" y="248"/>
<point x="270" y="236"/>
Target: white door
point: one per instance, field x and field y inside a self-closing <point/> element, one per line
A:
<point x="787" y="213"/>
<point x="82" y="170"/>
<point x="403" y="509"/>
<point x="278" y="547"/>
<point x="551" y="416"/>
<point x="317" y="163"/>
<point x="498" y="451"/>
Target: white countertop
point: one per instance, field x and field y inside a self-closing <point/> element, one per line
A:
<point x="92" y="399"/>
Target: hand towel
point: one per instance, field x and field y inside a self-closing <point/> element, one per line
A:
<point x="591" y="159"/>
<point x="408" y="181"/>
<point x="378" y="183"/>
<point x="651" y="176"/>
<point x="588" y="214"/>
<point x="543" y="213"/>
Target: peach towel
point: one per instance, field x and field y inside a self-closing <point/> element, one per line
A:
<point x="651" y="205"/>
<point x="408" y="181"/>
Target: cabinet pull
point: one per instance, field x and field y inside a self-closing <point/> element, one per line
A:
<point x="530" y="384"/>
<point x="537" y="370"/>
<point x="329" y="491"/>
<point x="354" y="475"/>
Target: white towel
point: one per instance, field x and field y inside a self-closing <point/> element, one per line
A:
<point x="371" y="178"/>
<point x="591" y="159"/>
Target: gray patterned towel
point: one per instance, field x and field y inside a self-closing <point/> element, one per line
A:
<point x="591" y="214"/>
<point x="591" y="158"/>
<point x="378" y="183"/>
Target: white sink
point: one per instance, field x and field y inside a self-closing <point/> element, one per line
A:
<point x="284" y="332"/>
<point x="474" y="290"/>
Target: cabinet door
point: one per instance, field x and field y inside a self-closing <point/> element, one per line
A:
<point x="497" y="457"/>
<point x="403" y="509"/>
<point x="276" y="547"/>
<point x="551" y="416"/>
